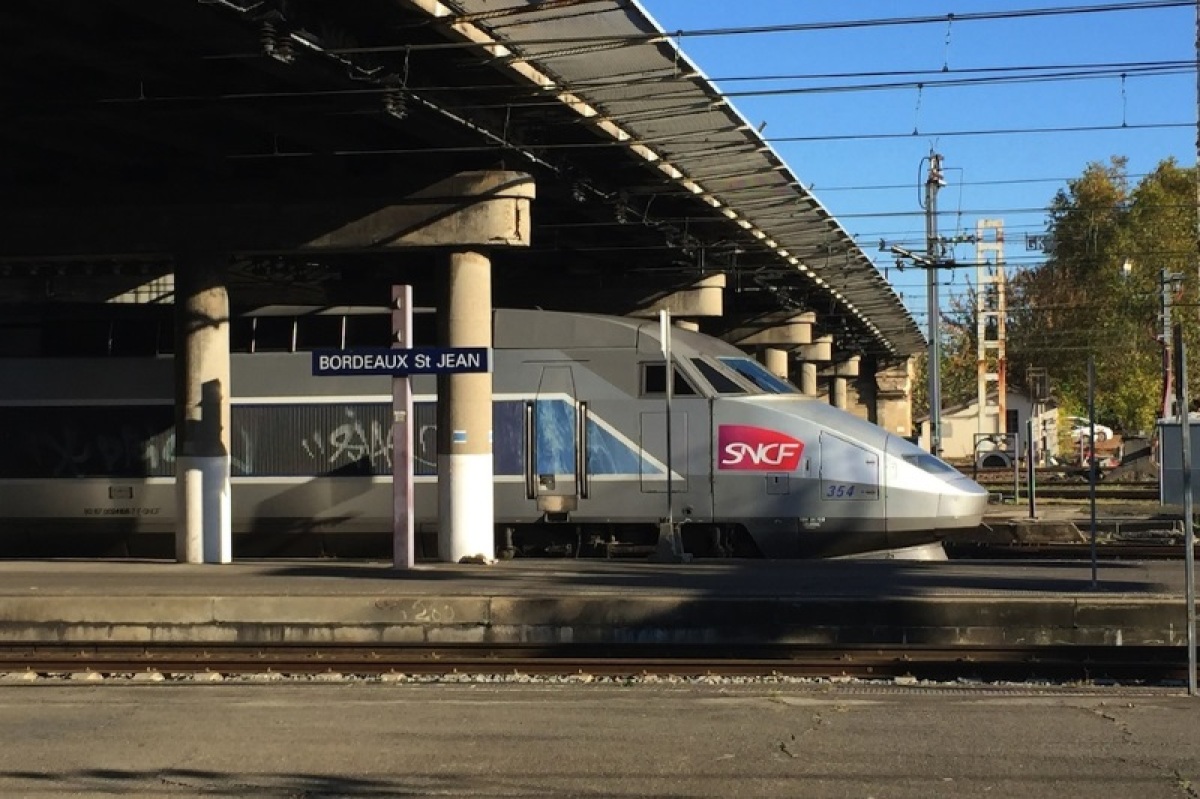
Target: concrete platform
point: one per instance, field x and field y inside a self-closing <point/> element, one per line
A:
<point x="704" y="602"/>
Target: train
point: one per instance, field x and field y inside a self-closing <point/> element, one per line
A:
<point x="581" y="466"/>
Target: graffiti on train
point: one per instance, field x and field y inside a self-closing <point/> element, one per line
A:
<point x="139" y="441"/>
<point x="278" y="439"/>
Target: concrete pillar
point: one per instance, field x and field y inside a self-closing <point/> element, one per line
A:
<point x="776" y="361"/>
<point x="812" y="355"/>
<point x="861" y="398"/>
<point x="203" y="521"/>
<point x="704" y="297"/>
<point x="464" y="417"/>
<point x="843" y="371"/>
<point x="808" y="379"/>
<point x="777" y="330"/>
<point x="837" y="392"/>
<point x="893" y="398"/>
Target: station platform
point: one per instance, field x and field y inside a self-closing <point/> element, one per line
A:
<point x="945" y="603"/>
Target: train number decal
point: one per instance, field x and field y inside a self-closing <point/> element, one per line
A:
<point x="756" y="449"/>
<point x="839" y="491"/>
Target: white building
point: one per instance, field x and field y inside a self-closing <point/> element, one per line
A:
<point x="969" y="436"/>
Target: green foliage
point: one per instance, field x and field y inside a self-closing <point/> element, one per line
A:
<point x="1080" y="304"/>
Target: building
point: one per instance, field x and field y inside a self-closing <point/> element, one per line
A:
<point x="968" y="436"/>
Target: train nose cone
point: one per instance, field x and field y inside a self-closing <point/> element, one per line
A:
<point x="961" y="504"/>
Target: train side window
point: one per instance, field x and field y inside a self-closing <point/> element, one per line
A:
<point x="20" y="340"/>
<point x="138" y="337"/>
<point x="654" y="381"/>
<point x="273" y="334"/>
<point x="721" y="383"/>
<point x="241" y="334"/>
<point x="757" y="374"/>
<point x="369" y="330"/>
<point x="319" y="332"/>
<point x="78" y="338"/>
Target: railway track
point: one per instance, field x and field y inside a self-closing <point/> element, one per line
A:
<point x="1129" y="492"/>
<point x="1139" y="664"/>
<point x="1060" y="484"/>
<point x="1064" y="551"/>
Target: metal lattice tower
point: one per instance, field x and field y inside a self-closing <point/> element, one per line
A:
<point x="990" y="312"/>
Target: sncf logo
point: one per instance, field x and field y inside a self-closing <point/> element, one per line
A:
<point x="757" y="449"/>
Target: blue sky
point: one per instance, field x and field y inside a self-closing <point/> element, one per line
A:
<point x="872" y="185"/>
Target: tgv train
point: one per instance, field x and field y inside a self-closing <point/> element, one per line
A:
<point x="579" y="440"/>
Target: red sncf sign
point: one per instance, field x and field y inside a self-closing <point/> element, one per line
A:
<point x="747" y="448"/>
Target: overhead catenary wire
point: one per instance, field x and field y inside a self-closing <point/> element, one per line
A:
<point x="796" y="27"/>
<point x="858" y="137"/>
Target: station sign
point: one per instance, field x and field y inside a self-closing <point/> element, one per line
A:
<point x="386" y="362"/>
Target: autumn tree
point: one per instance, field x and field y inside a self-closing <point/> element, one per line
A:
<point x="1082" y="304"/>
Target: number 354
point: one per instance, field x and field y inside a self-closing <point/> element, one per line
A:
<point x="840" y="490"/>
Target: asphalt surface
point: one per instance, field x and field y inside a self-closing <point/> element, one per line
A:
<point x="398" y="740"/>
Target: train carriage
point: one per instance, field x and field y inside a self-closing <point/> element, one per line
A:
<point x="580" y="443"/>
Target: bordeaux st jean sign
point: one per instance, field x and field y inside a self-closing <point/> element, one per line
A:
<point x="386" y="362"/>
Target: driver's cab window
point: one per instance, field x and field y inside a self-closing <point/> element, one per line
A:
<point x="654" y="381"/>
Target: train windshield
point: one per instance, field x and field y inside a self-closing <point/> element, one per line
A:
<point x="759" y="376"/>
<point x="929" y="463"/>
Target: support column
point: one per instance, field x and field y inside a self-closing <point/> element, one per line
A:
<point x="776" y="361"/>
<point x="808" y="379"/>
<point x="704" y="297"/>
<point x="203" y="520"/>
<point x="893" y="398"/>
<point x="862" y="397"/>
<point x="812" y="355"/>
<point x="464" y="417"/>
<point x="839" y="386"/>
<point x="837" y="393"/>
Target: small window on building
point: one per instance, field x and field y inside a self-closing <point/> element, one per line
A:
<point x="654" y="381"/>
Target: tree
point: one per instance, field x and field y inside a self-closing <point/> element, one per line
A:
<point x="958" y="367"/>
<point x="1080" y="304"/>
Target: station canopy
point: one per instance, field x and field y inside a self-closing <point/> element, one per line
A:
<point x="648" y="179"/>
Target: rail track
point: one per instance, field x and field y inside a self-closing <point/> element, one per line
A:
<point x="1064" y="551"/>
<point x="1131" y="664"/>
<point x="1064" y="484"/>
<point x="1133" y="492"/>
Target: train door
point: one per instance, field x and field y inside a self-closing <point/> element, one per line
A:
<point x="656" y="461"/>
<point x="849" y="473"/>
<point x="555" y="443"/>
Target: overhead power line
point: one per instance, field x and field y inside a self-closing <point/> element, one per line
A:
<point x="983" y="132"/>
<point x="799" y="27"/>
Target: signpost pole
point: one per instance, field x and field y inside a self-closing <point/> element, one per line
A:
<point x="400" y="362"/>
<point x="664" y="328"/>
<point x="403" y="547"/>
<point x="1189" y="540"/>
<point x="670" y="542"/>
